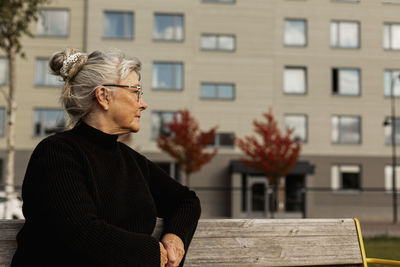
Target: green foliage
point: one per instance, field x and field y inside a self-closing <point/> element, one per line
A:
<point x="15" y="17"/>
<point x="382" y="248"/>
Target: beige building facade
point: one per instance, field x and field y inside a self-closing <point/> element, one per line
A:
<point x="321" y="66"/>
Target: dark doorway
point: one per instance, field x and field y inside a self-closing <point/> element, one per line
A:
<point x="294" y="185"/>
<point x="258" y="196"/>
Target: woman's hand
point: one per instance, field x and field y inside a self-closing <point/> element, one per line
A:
<point x="163" y="256"/>
<point x="175" y="249"/>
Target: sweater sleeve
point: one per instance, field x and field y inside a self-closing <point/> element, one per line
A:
<point x="179" y="206"/>
<point x="55" y="183"/>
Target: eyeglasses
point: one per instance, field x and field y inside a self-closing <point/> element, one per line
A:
<point x="138" y="92"/>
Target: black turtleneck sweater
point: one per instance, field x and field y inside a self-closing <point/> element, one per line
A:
<point x="92" y="201"/>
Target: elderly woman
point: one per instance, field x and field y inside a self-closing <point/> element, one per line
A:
<point x="90" y="200"/>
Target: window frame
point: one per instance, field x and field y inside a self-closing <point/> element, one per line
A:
<point x="219" y="2"/>
<point x="43" y="85"/>
<point x="305" y="141"/>
<point x="217" y="144"/>
<point x="346" y="1"/>
<point x="217" y="35"/>
<point x="339" y="132"/>
<point x="384" y="83"/>
<point x="173" y="168"/>
<point x="338" y="21"/>
<point x="340" y="188"/>
<point x="169" y="89"/>
<point x="68" y="30"/>
<point x="390" y="24"/>
<point x="390" y="2"/>
<point x="6" y="72"/>
<point x="153" y="137"/>
<point x="305" y="80"/>
<point x="338" y="69"/>
<point x="120" y="12"/>
<point x="3" y="130"/>
<point x="169" y="40"/>
<point x="217" y="84"/>
<point x="305" y="32"/>
<point x="43" y="109"/>
<point x="388" y="178"/>
<point x="388" y="141"/>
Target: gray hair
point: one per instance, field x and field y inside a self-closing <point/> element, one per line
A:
<point x="82" y="73"/>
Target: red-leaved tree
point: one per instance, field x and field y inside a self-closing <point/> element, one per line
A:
<point x="185" y="142"/>
<point x="273" y="153"/>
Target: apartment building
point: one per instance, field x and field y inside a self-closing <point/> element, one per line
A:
<point x="324" y="67"/>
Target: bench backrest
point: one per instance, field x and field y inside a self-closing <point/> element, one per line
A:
<point x="252" y="242"/>
<point x="266" y="242"/>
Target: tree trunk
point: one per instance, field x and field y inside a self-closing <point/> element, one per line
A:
<point x="185" y="179"/>
<point x="274" y="202"/>
<point x="10" y="130"/>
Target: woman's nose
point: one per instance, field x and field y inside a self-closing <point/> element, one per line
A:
<point x="143" y="104"/>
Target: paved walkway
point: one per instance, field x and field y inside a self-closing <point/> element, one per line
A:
<point x="371" y="229"/>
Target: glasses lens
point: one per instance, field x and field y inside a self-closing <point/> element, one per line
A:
<point x="139" y="94"/>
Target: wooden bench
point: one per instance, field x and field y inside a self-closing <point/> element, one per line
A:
<point x="256" y="242"/>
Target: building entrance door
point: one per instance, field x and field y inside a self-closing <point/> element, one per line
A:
<point x="294" y="186"/>
<point x="257" y="197"/>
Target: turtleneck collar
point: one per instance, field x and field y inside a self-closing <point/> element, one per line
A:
<point x="95" y="135"/>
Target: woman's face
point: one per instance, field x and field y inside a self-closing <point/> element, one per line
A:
<point x="125" y="107"/>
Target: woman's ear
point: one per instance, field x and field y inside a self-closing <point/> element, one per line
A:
<point x="103" y="96"/>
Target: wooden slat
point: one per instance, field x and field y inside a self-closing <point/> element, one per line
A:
<point x="8" y="244"/>
<point x="251" y="242"/>
<point x="260" y="242"/>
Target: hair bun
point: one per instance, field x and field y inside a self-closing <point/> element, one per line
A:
<point x="72" y="64"/>
<point x="67" y="63"/>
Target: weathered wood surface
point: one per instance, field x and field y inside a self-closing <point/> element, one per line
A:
<point x="8" y="244"/>
<point x="252" y="242"/>
<point x="263" y="242"/>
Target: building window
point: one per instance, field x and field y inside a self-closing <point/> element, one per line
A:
<point x="3" y="71"/>
<point x="391" y="2"/>
<point x="388" y="131"/>
<point x="345" y="34"/>
<point x="168" y="27"/>
<point x="224" y="140"/>
<point x="346" y="177"/>
<point x="299" y="124"/>
<point x="388" y="76"/>
<point x="389" y="178"/>
<point x="295" y="32"/>
<point x="118" y="25"/>
<point x="53" y="22"/>
<point x="167" y="76"/>
<point x="346" y="81"/>
<point x="2" y="121"/>
<point x="346" y="129"/>
<point x="294" y="80"/>
<point x="159" y="121"/>
<point x="221" y="42"/>
<point x="48" y="121"/>
<point x="346" y="1"/>
<point x="171" y="168"/>
<point x="217" y="91"/>
<point x="43" y="76"/>
<point x="391" y="36"/>
<point x="219" y="1"/>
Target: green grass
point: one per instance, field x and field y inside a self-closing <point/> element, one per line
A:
<point x="383" y="248"/>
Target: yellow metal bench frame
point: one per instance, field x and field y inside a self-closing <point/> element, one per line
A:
<point x="363" y="254"/>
